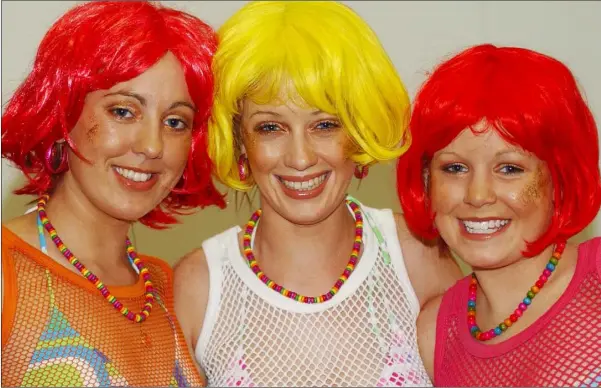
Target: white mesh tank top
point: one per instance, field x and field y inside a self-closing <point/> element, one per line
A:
<point x="364" y="336"/>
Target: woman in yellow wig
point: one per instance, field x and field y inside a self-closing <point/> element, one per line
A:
<point x="317" y="289"/>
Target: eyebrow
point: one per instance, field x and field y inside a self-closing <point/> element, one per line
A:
<point x="182" y="103"/>
<point x="143" y="100"/>
<point x="128" y="94"/>
<point x="266" y="112"/>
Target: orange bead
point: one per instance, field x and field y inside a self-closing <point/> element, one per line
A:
<point x="508" y="322"/>
<point x="535" y="289"/>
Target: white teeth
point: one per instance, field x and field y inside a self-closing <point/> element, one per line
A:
<point x="484" y="227"/>
<point x="305" y="185"/>
<point x="133" y="175"/>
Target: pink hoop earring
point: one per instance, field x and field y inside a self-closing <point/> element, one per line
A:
<point x="56" y="157"/>
<point x="242" y="167"/>
<point x="361" y="171"/>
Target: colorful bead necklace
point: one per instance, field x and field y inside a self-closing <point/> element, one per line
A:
<point x="143" y="271"/>
<point x="503" y="326"/>
<point x="350" y="267"/>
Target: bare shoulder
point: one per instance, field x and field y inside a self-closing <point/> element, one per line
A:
<point x="431" y="268"/>
<point x="426" y="333"/>
<point x="191" y="292"/>
<point x="24" y="226"/>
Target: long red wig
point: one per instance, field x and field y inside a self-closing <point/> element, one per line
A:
<point x="532" y="101"/>
<point x="95" y="46"/>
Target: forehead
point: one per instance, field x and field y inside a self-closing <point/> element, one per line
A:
<point x="481" y="140"/>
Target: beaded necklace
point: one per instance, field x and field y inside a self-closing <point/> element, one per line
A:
<point x="519" y="311"/>
<point x="131" y="253"/>
<point x="350" y="267"/>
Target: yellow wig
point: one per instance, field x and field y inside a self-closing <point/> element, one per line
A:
<point x="331" y="57"/>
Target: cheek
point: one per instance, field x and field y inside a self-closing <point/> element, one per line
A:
<point x="263" y="153"/>
<point x="445" y="194"/>
<point x="98" y="140"/>
<point x="335" y="151"/>
<point x="176" y="152"/>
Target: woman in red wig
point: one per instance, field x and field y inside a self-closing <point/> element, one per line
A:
<point x="103" y="127"/>
<point x="504" y="167"/>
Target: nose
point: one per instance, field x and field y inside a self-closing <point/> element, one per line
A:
<point x="480" y="191"/>
<point x="300" y="153"/>
<point x="149" y="141"/>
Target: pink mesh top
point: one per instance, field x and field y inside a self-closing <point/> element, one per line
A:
<point x="561" y="348"/>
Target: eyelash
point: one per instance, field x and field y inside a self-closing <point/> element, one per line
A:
<point x="450" y="168"/>
<point x="516" y="169"/>
<point x="331" y="126"/>
<point x="116" y="114"/>
<point x="120" y="113"/>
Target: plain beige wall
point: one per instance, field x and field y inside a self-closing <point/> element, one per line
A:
<point x="417" y="35"/>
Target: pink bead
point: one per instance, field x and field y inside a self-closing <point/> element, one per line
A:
<point x="118" y="304"/>
<point x="357" y="246"/>
<point x="547" y="273"/>
<point x="544" y="278"/>
<point x="130" y="315"/>
<point x="522" y="306"/>
<point x="518" y="312"/>
<point x="472" y="296"/>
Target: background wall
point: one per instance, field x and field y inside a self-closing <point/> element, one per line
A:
<point x="417" y="35"/>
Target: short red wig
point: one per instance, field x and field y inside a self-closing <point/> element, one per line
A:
<point x="95" y="46"/>
<point x="533" y="102"/>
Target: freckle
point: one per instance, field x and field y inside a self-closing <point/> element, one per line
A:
<point x="92" y="132"/>
<point x="533" y="190"/>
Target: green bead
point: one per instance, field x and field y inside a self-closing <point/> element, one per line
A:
<point x="503" y="326"/>
<point x="470" y="308"/>
<point x="553" y="261"/>
<point x="530" y="294"/>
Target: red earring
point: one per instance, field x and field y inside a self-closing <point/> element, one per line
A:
<point x="242" y="166"/>
<point x="361" y="171"/>
<point x="56" y="157"/>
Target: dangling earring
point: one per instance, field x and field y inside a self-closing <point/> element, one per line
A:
<point x="242" y="167"/>
<point x="361" y="171"/>
<point x="56" y="157"/>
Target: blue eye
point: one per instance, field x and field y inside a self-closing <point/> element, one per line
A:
<point x="122" y="113"/>
<point x="176" y="124"/>
<point x="511" y="169"/>
<point x="268" y="127"/>
<point x="454" y="168"/>
<point x="327" y="125"/>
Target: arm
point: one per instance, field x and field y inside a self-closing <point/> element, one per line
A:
<point x="431" y="270"/>
<point x="426" y="333"/>
<point x="191" y="294"/>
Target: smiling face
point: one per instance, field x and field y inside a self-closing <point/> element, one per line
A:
<point x="298" y="157"/>
<point x="489" y="196"/>
<point x="137" y="136"/>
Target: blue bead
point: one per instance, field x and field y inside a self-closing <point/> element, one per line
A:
<point x="474" y="328"/>
<point x="471" y="303"/>
<point x="498" y="331"/>
<point x="550" y="267"/>
<point x="527" y="301"/>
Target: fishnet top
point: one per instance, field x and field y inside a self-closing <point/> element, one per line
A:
<point x="58" y="330"/>
<point x="364" y="336"/>
<point x="562" y="348"/>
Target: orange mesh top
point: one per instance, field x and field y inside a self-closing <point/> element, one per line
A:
<point x="58" y="330"/>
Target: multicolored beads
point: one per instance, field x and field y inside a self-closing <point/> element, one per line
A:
<point x="350" y="267"/>
<point x="522" y="307"/>
<point x="149" y="297"/>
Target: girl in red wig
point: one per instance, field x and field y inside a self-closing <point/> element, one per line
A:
<point x="504" y="167"/>
<point x="102" y="127"/>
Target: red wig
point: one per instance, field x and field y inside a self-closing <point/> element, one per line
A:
<point x="95" y="46"/>
<point x="533" y="102"/>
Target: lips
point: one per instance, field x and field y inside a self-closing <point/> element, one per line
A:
<point x="303" y="187"/>
<point x="135" y="179"/>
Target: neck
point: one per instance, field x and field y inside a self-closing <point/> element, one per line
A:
<point x="305" y="256"/>
<point x="502" y="289"/>
<point x="92" y="235"/>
